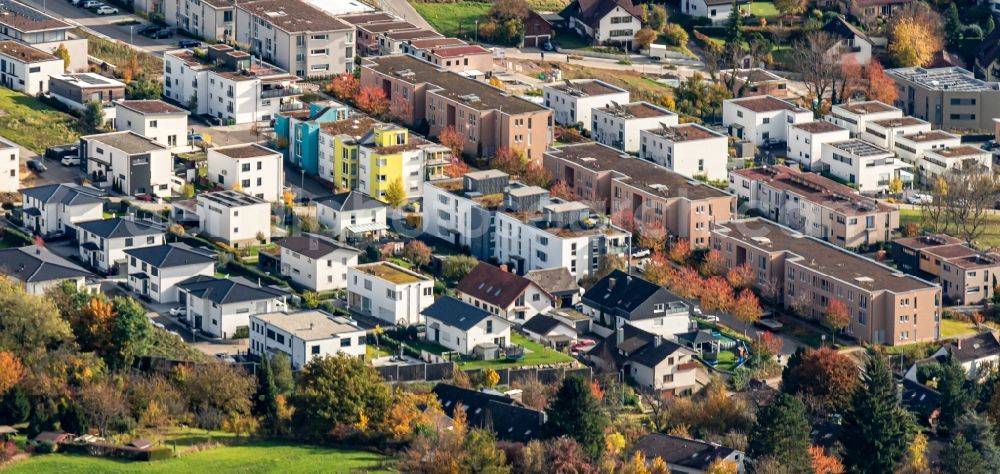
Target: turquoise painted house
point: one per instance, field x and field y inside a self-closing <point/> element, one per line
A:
<point x="300" y="129"/>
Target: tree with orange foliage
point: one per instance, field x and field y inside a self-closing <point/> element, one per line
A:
<point x="836" y="317"/>
<point x="626" y="220"/>
<point x="688" y="283"/>
<point x="767" y="345"/>
<point x="372" y="101"/>
<point x="561" y="190"/>
<point x="653" y="237"/>
<point x="881" y="87"/>
<point x="596" y="389"/>
<point x="741" y="276"/>
<point x="658" y="269"/>
<point x="450" y="138"/>
<point x="536" y="175"/>
<point x="344" y="86"/>
<point x="823" y="463"/>
<point x="510" y="161"/>
<point x="826" y="375"/>
<point x="680" y="251"/>
<point x="93" y="330"/>
<point x="714" y="264"/>
<point x="456" y="167"/>
<point x="11" y="371"/>
<point x="747" y="308"/>
<point x="716" y="295"/>
<point x="850" y="80"/>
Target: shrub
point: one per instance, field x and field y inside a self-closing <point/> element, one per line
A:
<point x="159" y="454"/>
<point x="45" y="447"/>
<point x="241" y="332"/>
<point x="675" y="35"/>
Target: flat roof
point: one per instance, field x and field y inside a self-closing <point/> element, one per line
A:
<point x="127" y="141"/>
<point x="819" y="126"/>
<point x="392" y="273"/>
<point x="815" y="188"/>
<point x="151" y="107"/>
<point x="24" y="52"/>
<point x="310" y="325"/>
<point x="26" y="19"/>
<point x="230" y="198"/>
<point x="927" y="241"/>
<point x="687" y="132"/>
<point x="952" y="79"/>
<point x="860" y="148"/>
<point x="765" y="103"/>
<point x="460" y="50"/>
<point x="900" y="122"/>
<point x="382" y="27"/>
<point x="637" y="110"/>
<point x="436" y="42"/>
<point x="362" y="18"/>
<point x="89" y="80"/>
<point x="252" y="150"/>
<point x="341" y="7"/>
<point x="537" y="218"/>
<point x="821" y="257"/>
<point x="754" y="75"/>
<point x="867" y="107"/>
<point x="931" y="136"/>
<point x="354" y="126"/>
<point x="585" y="87"/>
<point x="412" y="34"/>
<point x="642" y="174"/>
<point x="294" y="16"/>
<point x="958" y="151"/>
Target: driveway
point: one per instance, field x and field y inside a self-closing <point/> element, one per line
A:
<point x="56" y="172"/>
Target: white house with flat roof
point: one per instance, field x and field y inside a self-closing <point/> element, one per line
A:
<point x="910" y="148"/>
<point x="27" y="69"/>
<point x="389" y="292"/>
<point x="940" y="161"/>
<point x="762" y="120"/>
<point x="239" y="219"/>
<point x="867" y="167"/>
<point x="31" y="26"/>
<point x="883" y="133"/>
<point x="10" y="166"/>
<point x="805" y="141"/>
<point x="128" y="162"/>
<point x="304" y="335"/>
<point x="574" y="100"/>
<point x="855" y="116"/>
<point x="253" y="169"/>
<point x="154" y="119"/>
<point x="690" y="150"/>
<point x="618" y="125"/>
<point x="210" y="20"/>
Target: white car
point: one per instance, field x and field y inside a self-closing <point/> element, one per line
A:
<point x="70" y="161"/>
<point x="90" y="4"/>
<point x="106" y="10"/>
<point x="178" y="311"/>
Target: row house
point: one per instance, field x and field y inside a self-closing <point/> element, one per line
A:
<point x="967" y="276"/>
<point x="236" y="218"/>
<point x="762" y="120"/>
<point x="300" y="130"/>
<point x="883" y="133"/>
<point x="573" y="100"/>
<point x="911" y="147"/>
<point x="806" y="274"/>
<point x="30" y="26"/>
<point x="869" y="168"/>
<point x="938" y="162"/>
<point x="618" y="125"/>
<point x="805" y="141"/>
<point x="689" y="150"/>
<point x="855" y="116"/>
<point x="653" y="195"/>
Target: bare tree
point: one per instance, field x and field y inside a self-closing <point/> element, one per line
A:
<point x="819" y="69"/>
<point x="972" y="193"/>
<point x="933" y="210"/>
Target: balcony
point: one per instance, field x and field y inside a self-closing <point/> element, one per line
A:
<point x="281" y="92"/>
<point x="291" y="106"/>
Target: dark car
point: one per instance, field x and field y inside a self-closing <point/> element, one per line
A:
<point x="36" y="166"/>
<point x="148" y="29"/>
<point x="160" y="34"/>
<point x="59" y="152"/>
<point x="188" y="43"/>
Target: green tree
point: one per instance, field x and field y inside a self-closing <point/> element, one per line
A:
<point x="188" y="191"/>
<point x="310" y="299"/>
<point x="782" y="431"/>
<point x="877" y="429"/>
<point x="72" y="419"/>
<point x="266" y="400"/>
<point x="93" y="116"/>
<point x="144" y="89"/>
<point x="281" y="367"/>
<point x="952" y="25"/>
<point x="15" y="407"/>
<point x="955" y="400"/>
<point x="457" y="267"/>
<point x="216" y="391"/>
<point x="960" y="457"/>
<point x="576" y="413"/>
<point x="734" y="28"/>
<point x="395" y="196"/>
<point x="337" y="390"/>
<point x="658" y="17"/>
<point x="482" y="454"/>
<point x="29" y="325"/>
<point x="979" y="432"/>
<point x="130" y="331"/>
<point x="63" y="53"/>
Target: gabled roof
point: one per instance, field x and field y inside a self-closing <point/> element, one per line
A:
<point x="493" y="285"/>
<point x="622" y="293"/>
<point x="555" y="281"/>
<point x="542" y="324"/>
<point x="34" y="264"/>
<point x="455" y="313"/>
<point x="690" y="453"/>
<point x="637" y="346"/>
<point x="592" y="11"/>
<point x="504" y="416"/>
<point x="313" y="246"/>
<point x="920" y="399"/>
<point x="118" y="227"/>
<point x="988" y="51"/>
<point x="171" y="255"/>
<point x="65" y="193"/>
<point x="975" y="347"/>
<point x="226" y="290"/>
<point x="839" y="27"/>
<point x="351" y="201"/>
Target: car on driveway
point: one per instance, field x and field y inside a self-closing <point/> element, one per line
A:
<point x="36" y="166"/>
<point x="188" y="44"/>
<point x="160" y="34"/>
<point x="148" y="28"/>
<point x="106" y="10"/>
<point x="59" y="152"/>
<point x="178" y="311"/>
<point x="919" y="198"/>
<point x="70" y="160"/>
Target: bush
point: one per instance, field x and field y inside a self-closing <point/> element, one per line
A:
<point x="741" y="378"/>
<point x="675" y="35"/>
<point x="241" y="332"/>
<point x="159" y="454"/>
<point x="15" y="237"/>
<point x="45" y="447"/>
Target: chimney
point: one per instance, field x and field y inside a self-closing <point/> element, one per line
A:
<point x="611" y="283"/>
<point x="310" y="326"/>
<point x="503" y="268"/>
<point x="657" y="341"/>
<point x="620" y="335"/>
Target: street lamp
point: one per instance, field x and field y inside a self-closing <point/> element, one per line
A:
<point x="131" y="29"/>
<point x="477" y="31"/>
<point x="302" y="183"/>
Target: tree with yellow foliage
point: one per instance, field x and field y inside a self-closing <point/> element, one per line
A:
<point x="408" y="412"/>
<point x="912" y="43"/>
<point x="288" y="198"/>
<point x="722" y="466"/>
<point x="395" y="196"/>
<point x="491" y="378"/>
<point x="11" y="371"/>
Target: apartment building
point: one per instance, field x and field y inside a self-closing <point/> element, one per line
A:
<point x="103" y="242"/>
<point x="967" y="276"/>
<point x="497" y="290"/>
<point x="30" y="26"/>
<point x="155" y="120"/>
<point x="805" y="141"/>
<point x="211" y="20"/>
<point x="300" y="130"/>
<point x="885" y="306"/>
<point x="230" y="85"/>
<point x="10" y="166"/>
<point x="814" y="205"/>
<point x="337" y="145"/>
<point x="573" y="100"/>
<point x="762" y="120"/>
<point x="55" y="209"/>
<point x="618" y="125"/>
<point x="317" y="263"/>
<point x="155" y="272"/>
<point x="489" y="119"/>
<point x="128" y="162"/>
<point x="462" y="211"/>
<point x="389" y="292"/>
<point x="221" y="307"/>
<point x="305" y="335"/>
<point x="654" y="195"/>
<point x="236" y="218"/>
<point x="911" y="148"/>
<point x="938" y="162"/>
<point x="883" y="133"/>
<point x="866" y="166"/>
<point x="690" y="150"/>
<point x="27" y="69"/>
<point x="296" y="36"/>
<point x="756" y="81"/>
<point x="253" y="169"/>
<point x="473" y="60"/>
<point x="854" y="116"/>
<point x="948" y="97"/>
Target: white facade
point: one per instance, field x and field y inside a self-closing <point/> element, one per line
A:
<point x="160" y="284"/>
<point x="491" y="330"/>
<point x="762" y="119"/>
<point x="338" y="221"/>
<point x="883" y="133"/>
<point x="253" y="169"/>
<point x="619" y="127"/>
<point x="389" y="292"/>
<point x="935" y="163"/>
<point x="714" y="10"/>
<point x="10" y="166"/>
<point x="865" y="166"/>
<point x="111" y="251"/>
<point x="805" y="141"/>
<point x="463" y="221"/>
<point x="689" y="150"/>
<point x="532" y="302"/>
<point x="210" y="20"/>
<point x="56" y="216"/>
<point x="305" y="335"/>
<point x="27" y="69"/>
<point x="155" y="120"/>
<point x="238" y="219"/>
<point x="618" y="26"/>
<point x="224" y="320"/>
<point x="573" y="101"/>
<point x="672" y="373"/>
<point x="29" y="25"/>
<point x="911" y="148"/>
<point x="321" y="273"/>
<point x="855" y="116"/>
<point x="128" y="162"/>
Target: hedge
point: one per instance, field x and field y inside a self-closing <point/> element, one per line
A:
<point x="15" y="237"/>
<point x="114" y="451"/>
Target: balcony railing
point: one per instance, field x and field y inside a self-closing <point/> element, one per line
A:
<point x="283" y="92"/>
<point x="291" y="106"/>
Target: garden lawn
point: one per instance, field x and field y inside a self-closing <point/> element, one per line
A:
<point x="991" y="230"/>
<point x="763" y="9"/>
<point x="258" y="457"/>
<point x="951" y="328"/>
<point x="30" y="123"/>
<point x="118" y="53"/>
<point x="538" y="355"/>
<point x="453" y="19"/>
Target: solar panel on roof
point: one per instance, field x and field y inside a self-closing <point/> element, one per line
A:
<point x="92" y="80"/>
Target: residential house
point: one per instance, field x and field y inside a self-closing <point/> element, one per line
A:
<point x="155" y="272"/>
<point x="938" y="162"/>
<point x="538" y="30"/>
<point x="300" y="130"/>
<point x="352" y="215"/>
<point x="653" y="195"/>
<point x="211" y="20"/>
<point x="462" y="211"/>
<point x="512" y="297"/>
<point x="27" y="69"/>
<point x="716" y="10"/>
<point x="870" y="11"/>
<point x="391" y="42"/>
<point x="986" y="63"/>
<point x="221" y="307"/>
<point x="389" y="292"/>
<point x="370" y="33"/>
<point x="488" y="118"/>
<point x="605" y="22"/>
<point x="231" y="86"/>
<point x="618" y="125"/>
<point x="850" y="43"/>
<point x="805" y="141"/>
<point x="316" y="263"/>
<point x="469" y="59"/>
<point x="10" y="166"/>
<point x="155" y="120"/>
<point x="869" y="168"/>
<point x="762" y="120"/>
<point x="31" y="26"/>
<point x="620" y="299"/>
<point x="253" y="169"/>
<point x="687" y="456"/>
<point x="855" y="116"/>
<point x="885" y="306"/>
<point x="967" y="276"/>
<point x="549" y="331"/>
<point x="238" y="219"/>
<point x="103" y="242"/>
<point x="466" y="329"/>
<point x="975" y="353"/>
<point x="949" y="97"/>
<point x="297" y="36"/>
<point x="912" y="147"/>
<point x="55" y="209"/>
<point x="509" y="419"/>
<point x="690" y="150"/>
<point x="559" y="283"/>
<point x="816" y="206"/>
<point x="752" y="82"/>
<point x="572" y="101"/>
<point x="883" y="133"/>
<point x="77" y="90"/>
<point x="305" y="335"/>
<point x="653" y="362"/>
<point x="37" y="269"/>
<point x="128" y="162"/>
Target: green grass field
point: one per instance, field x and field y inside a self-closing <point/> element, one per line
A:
<point x="261" y="457"/>
<point x="952" y="328"/>
<point x="453" y="19"/>
<point x="990" y="237"/>
<point x="32" y="124"/>
<point x="538" y="355"/>
<point x="763" y="9"/>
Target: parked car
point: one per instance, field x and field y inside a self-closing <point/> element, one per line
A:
<point x="582" y="345"/>
<point x="919" y="198"/>
<point x="195" y="137"/>
<point x="106" y="10"/>
<point x="36" y="166"/>
<point x="70" y="161"/>
<point x="177" y="311"/>
<point x="90" y="4"/>
<point x="144" y="197"/>
<point x="160" y="34"/>
<point x="147" y="29"/>
<point x="59" y="152"/>
<point x="770" y="324"/>
<point x="188" y="43"/>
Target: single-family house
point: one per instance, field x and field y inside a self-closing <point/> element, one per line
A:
<point x="352" y="215"/>
<point x="687" y="456"/>
<point x="251" y="168"/>
<point x="620" y="299"/>
<point x="974" y="352"/>
<point x="154" y="272"/>
<point x="466" y="329"/>
<point x="221" y="307"/>
<point x="716" y="10"/>
<point x="304" y="335"/>
<point x="128" y="163"/>
<point x="55" y="209"/>
<point x="550" y="331"/>
<point x="26" y="68"/>
<point x="850" y="43"/>
<point x="389" y="292"/>
<point x="154" y="119"/>
<point x="103" y="242"/>
<point x="510" y="296"/>
<point x="559" y="283"/>
<point x="605" y="22"/>
<point x="38" y="269"/>
<point x="492" y="410"/>
<point x="239" y="219"/>
<point x="652" y="361"/>
<point x="317" y="263"/>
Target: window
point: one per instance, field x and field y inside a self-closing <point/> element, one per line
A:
<point x="345" y="342"/>
<point x="128" y="241"/>
<point x="489" y="326"/>
<point x="659" y="308"/>
<point x="315" y="350"/>
<point x="152" y="124"/>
